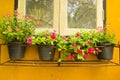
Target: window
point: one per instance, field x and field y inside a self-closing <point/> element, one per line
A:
<point x="81" y="14"/>
<point x="66" y="16"/>
<point x="42" y="10"/>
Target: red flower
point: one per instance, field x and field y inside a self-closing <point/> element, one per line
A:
<point x="91" y="51"/>
<point x="79" y="51"/>
<point x="53" y="36"/>
<point x="8" y="15"/>
<point x="98" y="50"/>
<point x="69" y="57"/>
<point x="89" y="42"/>
<point x="74" y="44"/>
<point x="74" y="55"/>
<point x="77" y="35"/>
<point x="85" y="56"/>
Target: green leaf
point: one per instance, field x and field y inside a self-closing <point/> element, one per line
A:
<point x="80" y="57"/>
<point x="59" y="60"/>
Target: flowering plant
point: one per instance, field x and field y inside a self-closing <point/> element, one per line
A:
<point x="46" y="38"/>
<point x="78" y="46"/>
<point x="104" y="36"/>
<point x="14" y="28"/>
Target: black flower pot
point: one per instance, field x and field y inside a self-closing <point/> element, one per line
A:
<point x="46" y="52"/>
<point x="106" y="51"/>
<point x="16" y="50"/>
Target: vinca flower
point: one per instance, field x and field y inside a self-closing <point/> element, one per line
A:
<point x="8" y="15"/>
<point x="69" y="57"/>
<point x="91" y="50"/>
<point x="74" y="44"/>
<point x="79" y="51"/>
<point x="78" y="46"/>
<point x="15" y="29"/>
<point x="29" y="41"/>
<point x="46" y="38"/>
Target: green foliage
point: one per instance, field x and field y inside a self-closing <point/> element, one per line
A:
<point x="78" y="46"/>
<point x="13" y="28"/>
<point x="46" y="38"/>
<point x="83" y="43"/>
<point x="102" y="36"/>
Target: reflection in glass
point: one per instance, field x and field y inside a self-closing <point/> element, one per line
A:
<point x="81" y="14"/>
<point x="42" y="10"/>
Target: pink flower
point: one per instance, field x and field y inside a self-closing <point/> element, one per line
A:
<point x="27" y="37"/>
<point x="8" y="15"/>
<point x="10" y="30"/>
<point x="15" y="11"/>
<point x="17" y="29"/>
<point x="74" y="44"/>
<point x="79" y="51"/>
<point x="27" y="17"/>
<point x="85" y="56"/>
<point x="38" y="23"/>
<point x="74" y="55"/>
<point x="69" y="57"/>
<point x="54" y="31"/>
<point x="46" y="35"/>
<point x="89" y="42"/>
<point x="29" y="41"/>
<point x="100" y="28"/>
<point x="98" y="50"/>
<point x="91" y="50"/>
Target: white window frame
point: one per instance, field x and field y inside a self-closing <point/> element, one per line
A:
<point x="60" y="16"/>
<point x="21" y="9"/>
<point x="63" y="18"/>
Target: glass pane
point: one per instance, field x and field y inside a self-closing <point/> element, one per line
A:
<point x="82" y="14"/>
<point x="42" y="10"/>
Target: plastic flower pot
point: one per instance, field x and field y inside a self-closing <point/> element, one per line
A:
<point x="106" y="51"/>
<point x="16" y="50"/>
<point x="46" y="52"/>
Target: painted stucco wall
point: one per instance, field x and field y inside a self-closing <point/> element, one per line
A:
<point x="62" y="73"/>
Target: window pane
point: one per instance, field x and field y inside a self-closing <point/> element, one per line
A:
<point x="42" y="10"/>
<point x="82" y="14"/>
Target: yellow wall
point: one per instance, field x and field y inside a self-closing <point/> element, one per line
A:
<point x="6" y="6"/>
<point x="63" y="73"/>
